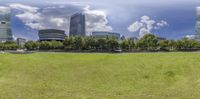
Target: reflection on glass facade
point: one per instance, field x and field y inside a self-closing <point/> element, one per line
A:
<point x="5" y="27"/>
<point x="198" y="24"/>
<point x="77" y="25"/>
<point x="51" y="35"/>
<point x="104" y="34"/>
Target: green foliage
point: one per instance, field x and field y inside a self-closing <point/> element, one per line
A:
<point x="46" y="45"/>
<point x="148" y="42"/>
<point x="124" y="45"/>
<point x="127" y="45"/>
<point x="9" y="45"/>
<point x="187" y="44"/>
<point x="112" y="44"/>
<point x="69" y="43"/>
<point x="31" y="45"/>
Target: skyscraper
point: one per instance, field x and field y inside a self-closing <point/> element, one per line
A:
<point x="198" y="24"/>
<point x="5" y="27"/>
<point x="77" y="25"/>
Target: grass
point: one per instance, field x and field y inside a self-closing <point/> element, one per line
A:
<point x="100" y="76"/>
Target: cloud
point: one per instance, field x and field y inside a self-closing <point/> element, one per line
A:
<point x="96" y="20"/>
<point x="135" y="26"/>
<point x="146" y="25"/>
<point x="58" y="17"/>
<point x="161" y="24"/>
<point x="190" y="36"/>
<point x="4" y="10"/>
<point x="23" y="7"/>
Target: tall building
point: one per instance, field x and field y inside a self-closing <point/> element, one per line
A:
<point x="5" y="27"/>
<point x="77" y="25"/>
<point x="198" y="24"/>
<point x="51" y="35"/>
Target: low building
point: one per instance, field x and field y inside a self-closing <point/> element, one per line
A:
<point x="51" y="35"/>
<point x="103" y="34"/>
<point x="21" y="42"/>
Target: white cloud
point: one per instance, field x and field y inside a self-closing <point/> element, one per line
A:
<point x="190" y="36"/>
<point x="58" y="21"/>
<point x="58" y="17"/>
<point x="25" y="8"/>
<point x="161" y="24"/>
<point x="96" y="20"/>
<point x="4" y="10"/>
<point x="135" y="26"/>
<point x="146" y="25"/>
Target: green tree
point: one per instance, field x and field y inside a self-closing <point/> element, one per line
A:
<point x="164" y="45"/>
<point x="31" y="45"/>
<point x="101" y="44"/>
<point x="148" y="42"/>
<point x="89" y="43"/>
<point x="69" y="43"/>
<point x="131" y="44"/>
<point x="78" y="43"/>
<point x="124" y="45"/>
<point x="112" y="44"/>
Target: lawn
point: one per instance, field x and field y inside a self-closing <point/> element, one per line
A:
<point x="100" y="76"/>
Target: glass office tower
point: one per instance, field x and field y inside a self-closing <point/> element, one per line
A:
<point x="77" y="25"/>
<point x="5" y="27"/>
<point x="198" y="24"/>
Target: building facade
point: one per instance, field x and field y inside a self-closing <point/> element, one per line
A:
<point x="21" y="42"/>
<point x="51" y="35"/>
<point x="5" y="27"/>
<point x="198" y="24"/>
<point x="77" y="25"/>
<point x="104" y="34"/>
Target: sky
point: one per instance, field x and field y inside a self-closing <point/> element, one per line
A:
<point x="172" y="19"/>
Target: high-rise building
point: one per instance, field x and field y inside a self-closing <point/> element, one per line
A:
<point x="5" y="27"/>
<point x="198" y="24"/>
<point x="77" y="25"/>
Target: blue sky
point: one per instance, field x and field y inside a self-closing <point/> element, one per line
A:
<point x="172" y="19"/>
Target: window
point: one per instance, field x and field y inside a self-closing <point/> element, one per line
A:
<point x="3" y="22"/>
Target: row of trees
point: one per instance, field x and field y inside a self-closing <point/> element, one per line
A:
<point x="77" y="43"/>
<point x="147" y="43"/>
<point x="9" y="45"/>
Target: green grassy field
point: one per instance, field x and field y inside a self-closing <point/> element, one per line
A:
<point x="100" y="76"/>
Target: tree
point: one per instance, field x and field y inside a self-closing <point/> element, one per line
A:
<point x="101" y="44"/>
<point x="112" y="44"/>
<point x="124" y="45"/>
<point x="187" y="44"/>
<point x="164" y="45"/>
<point x="31" y="45"/>
<point x="69" y="43"/>
<point x="57" y="45"/>
<point x="172" y="44"/>
<point x="131" y="44"/>
<point x="148" y="42"/>
<point x="78" y="43"/>
<point x="89" y="43"/>
<point x="9" y="45"/>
